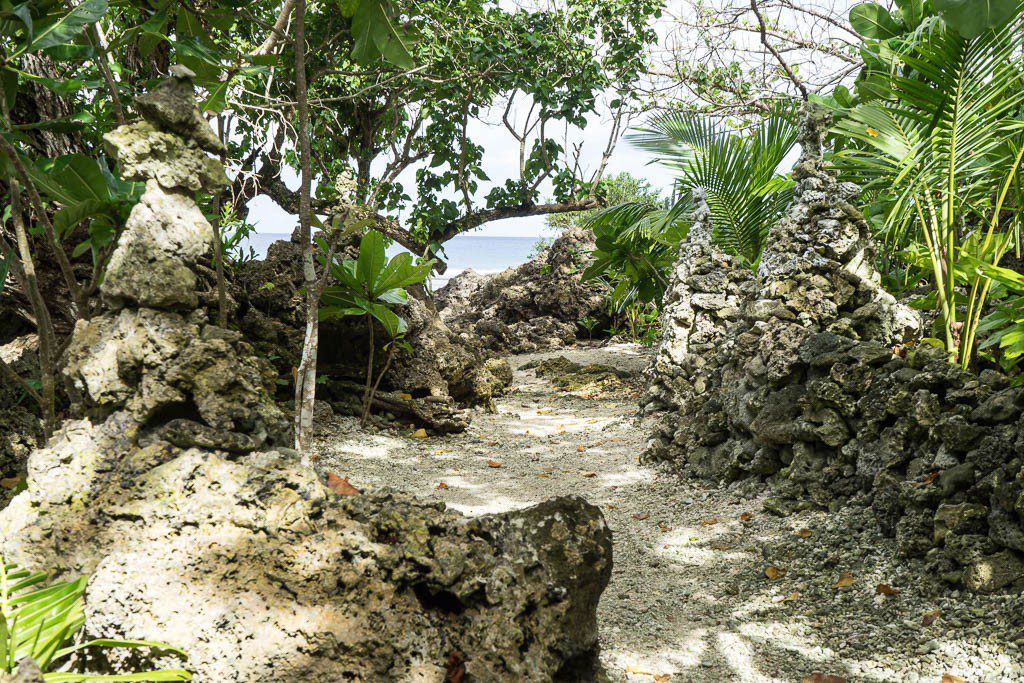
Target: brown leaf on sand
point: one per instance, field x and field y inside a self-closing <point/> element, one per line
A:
<point x="774" y="573"/>
<point x="641" y="517"/>
<point x="845" y="580"/>
<point x="494" y="463"/>
<point x="886" y="590"/>
<point x="589" y="475"/>
<point x="951" y="678"/>
<point x="442" y="486"/>
<point x="662" y="678"/>
<point x="929" y="618"/>
<point x="822" y="678"/>
<point x="746" y="516"/>
<point x="581" y="449"/>
<point x="710" y="522"/>
<point x="341" y="486"/>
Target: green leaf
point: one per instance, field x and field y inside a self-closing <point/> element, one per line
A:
<point x="376" y="37"/>
<point x="348" y="7"/>
<point x="67" y="218"/>
<point x="873" y="21"/>
<point x="393" y="325"/>
<point x="371" y="261"/>
<point x="912" y="12"/>
<point x="71" y="179"/>
<point x="67" y="26"/>
<point x="971" y="18"/>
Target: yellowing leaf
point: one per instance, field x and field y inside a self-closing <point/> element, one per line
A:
<point x="406" y="397"/>
<point x="420" y="434"/>
<point x="950" y="678"/>
<point x="774" y="573"/>
<point x="442" y="486"/>
<point x="580" y="449"/>
<point x="872" y="132"/>
<point x="845" y="580"/>
<point x="710" y="522"/>
<point x="804" y="533"/>
<point x="886" y="590"/>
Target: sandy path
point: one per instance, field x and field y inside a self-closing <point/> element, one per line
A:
<point x="688" y="597"/>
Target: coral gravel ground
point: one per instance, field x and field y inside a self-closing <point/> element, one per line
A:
<point x="707" y="586"/>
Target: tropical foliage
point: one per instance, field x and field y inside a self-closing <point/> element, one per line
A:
<point x="40" y="622"/>
<point x="739" y="172"/>
<point x="935" y="136"/>
<point x="371" y="286"/>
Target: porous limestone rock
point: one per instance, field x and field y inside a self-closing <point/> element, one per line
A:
<point x="534" y="307"/>
<point x="172" y="490"/>
<point x="801" y="376"/>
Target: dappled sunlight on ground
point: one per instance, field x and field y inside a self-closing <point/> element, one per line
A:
<point x="689" y="597"/>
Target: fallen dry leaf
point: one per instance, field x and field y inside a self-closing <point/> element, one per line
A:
<point x="580" y="449"/>
<point x="662" y="678"/>
<point x="929" y="618"/>
<point x="492" y="443"/>
<point x="456" y="669"/>
<point x="442" y="486"/>
<point x="589" y="475"/>
<point x="710" y="522"/>
<point x="886" y="590"/>
<point x="543" y="411"/>
<point x="823" y="678"/>
<point x="494" y="463"/>
<point x="789" y="598"/>
<point x="664" y="527"/>
<point x="341" y="486"/>
<point x="641" y="517"/>
<point x="11" y="483"/>
<point x="774" y="573"/>
<point x="406" y="397"/>
<point x="420" y="433"/>
<point x="804" y="533"/>
<point x="845" y="580"/>
<point x="612" y="507"/>
<point x="746" y="516"/>
<point x="951" y="678"/>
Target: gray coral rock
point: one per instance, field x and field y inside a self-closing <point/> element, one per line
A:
<point x="793" y="375"/>
<point x="533" y="307"/>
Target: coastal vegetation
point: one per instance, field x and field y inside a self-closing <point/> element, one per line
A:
<point x="311" y="464"/>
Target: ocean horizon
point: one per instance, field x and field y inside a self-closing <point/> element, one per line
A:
<point x="482" y="253"/>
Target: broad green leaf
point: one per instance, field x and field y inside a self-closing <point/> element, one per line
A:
<point x="912" y="12"/>
<point x="67" y="26"/>
<point x="393" y="325"/>
<point x="371" y="261"/>
<point x="71" y="179"/>
<point x="873" y="21"/>
<point x="376" y="37"/>
<point x="971" y="18"/>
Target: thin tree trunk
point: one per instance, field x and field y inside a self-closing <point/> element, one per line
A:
<point x="42" y="313"/>
<point x="376" y="385"/>
<point x="305" y="381"/>
<point x="218" y="251"/>
<point x="369" y="371"/>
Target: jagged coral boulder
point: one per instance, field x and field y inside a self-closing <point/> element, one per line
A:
<point x="261" y="573"/>
<point x="533" y="307"/>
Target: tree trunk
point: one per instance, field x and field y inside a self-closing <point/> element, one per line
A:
<point x="305" y="380"/>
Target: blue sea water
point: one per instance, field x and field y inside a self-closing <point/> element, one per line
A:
<point x="481" y="253"/>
